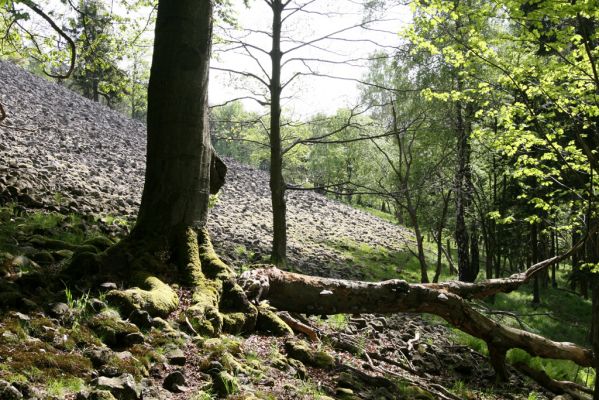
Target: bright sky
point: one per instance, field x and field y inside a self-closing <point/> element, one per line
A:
<point x="307" y="95"/>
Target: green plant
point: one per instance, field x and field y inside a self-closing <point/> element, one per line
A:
<point x="203" y="395"/>
<point x="62" y="386"/>
<point x="309" y="388"/>
<point x="338" y="321"/>
<point x="78" y="305"/>
<point x="213" y="200"/>
<point x="532" y="396"/>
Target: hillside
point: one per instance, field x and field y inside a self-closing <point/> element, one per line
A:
<point x="60" y="152"/>
<point x="92" y="161"/>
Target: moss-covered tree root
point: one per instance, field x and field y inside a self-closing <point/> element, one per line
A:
<point x="148" y="265"/>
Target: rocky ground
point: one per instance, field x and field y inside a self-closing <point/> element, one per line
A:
<point x="61" y="150"/>
<point x="62" y="153"/>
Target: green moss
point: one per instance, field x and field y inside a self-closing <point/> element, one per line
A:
<point x="269" y="322"/>
<point x="40" y="361"/>
<point x="225" y="384"/>
<point x="235" y="322"/>
<point x="204" y="315"/>
<point x="63" y="386"/>
<point x="300" y="350"/>
<point x="56" y="244"/>
<point x="231" y="364"/>
<point x="188" y="254"/>
<point x="212" y="266"/>
<point x="223" y="344"/>
<point x="111" y="328"/>
<point x="155" y="297"/>
<point x="100" y="242"/>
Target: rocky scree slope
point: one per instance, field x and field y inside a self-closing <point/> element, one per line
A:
<point x="60" y="150"/>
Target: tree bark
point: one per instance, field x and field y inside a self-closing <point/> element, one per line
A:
<point x="176" y="189"/>
<point x="534" y="244"/>
<point x="307" y="294"/>
<point x="277" y="183"/>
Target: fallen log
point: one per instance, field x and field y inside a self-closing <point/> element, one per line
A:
<point x="293" y="292"/>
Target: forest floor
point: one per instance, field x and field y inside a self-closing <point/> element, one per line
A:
<point x="59" y="341"/>
<point x="70" y="181"/>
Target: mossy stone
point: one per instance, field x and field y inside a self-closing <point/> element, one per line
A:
<point x="300" y="350"/>
<point x="300" y="369"/>
<point x="101" y="395"/>
<point x="225" y="384"/>
<point x="111" y="328"/>
<point x="269" y="322"/>
<point x="83" y="264"/>
<point x="43" y="257"/>
<point x="99" y="242"/>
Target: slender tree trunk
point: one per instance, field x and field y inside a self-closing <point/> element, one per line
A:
<point x="463" y="195"/>
<point x="474" y="252"/>
<point x="438" y="235"/>
<point x="595" y="333"/>
<point x="419" y="241"/>
<point x="553" y="253"/>
<point x="534" y="239"/>
<point x="277" y="183"/>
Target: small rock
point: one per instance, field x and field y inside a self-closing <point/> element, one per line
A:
<point x="123" y="387"/>
<point x="175" y="382"/>
<point x="176" y="357"/>
<point x="96" y="305"/>
<point x="9" y="392"/>
<point x="43" y="257"/>
<point x="160" y="323"/>
<point x="225" y="384"/>
<point x="20" y="262"/>
<point x="134" y="338"/>
<point x="141" y="318"/>
<point x="59" y="309"/>
<point x="342" y="392"/>
<point x="101" y="395"/>
<point x="28" y="390"/>
<point x="22" y="317"/>
<point x="99" y="356"/>
<point x="108" y="286"/>
<point x="110" y="371"/>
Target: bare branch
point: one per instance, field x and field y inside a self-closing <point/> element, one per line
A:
<point x="58" y="30"/>
<point x="261" y="102"/>
<point x="243" y="73"/>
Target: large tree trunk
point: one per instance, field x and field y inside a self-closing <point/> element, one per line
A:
<point x="277" y="183"/>
<point x="171" y="225"/>
<point x="176" y="188"/>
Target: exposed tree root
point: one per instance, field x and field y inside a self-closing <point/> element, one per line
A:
<point x="299" y="293"/>
<point x="186" y="257"/>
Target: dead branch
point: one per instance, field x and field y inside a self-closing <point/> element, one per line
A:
<point x="300" y="293"/>
<point x="2" y="113"/>
<point x="299" y="326"/>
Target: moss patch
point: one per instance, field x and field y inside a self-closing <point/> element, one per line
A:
<point x="155" y="297"/>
